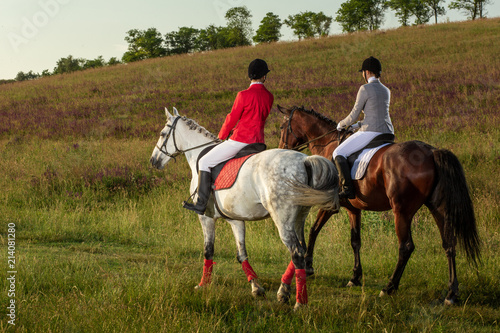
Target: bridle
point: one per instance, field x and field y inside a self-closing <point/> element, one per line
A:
<point x="289" y="130"/>
<point x="171" y="132"/>
<point x="302" y="146"/>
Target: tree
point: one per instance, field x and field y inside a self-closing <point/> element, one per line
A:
<point x="375" y="11"/>
<point x="269" y="29"/>
<point x="239" y="26"/>
<point x="183" y="41"/>
<point x="68" y="65"/>
<point x="436" y="8"/>
<point x="97" y="62"/>
<point x="351" y="17"/>
<point x="27" y="76"/>
<point x="113" y="61"/>
<point x="475" y="8"/>
<point x="309" y="24"/>
<point x="359" y="15"/>
<point x="300" y="25"/>
<point x="213" y="38"/>
<point x="403" y="10"/>
<point x="321" y="24"/>
<point x="144" y="44"/>
<point x="421" y="11"/>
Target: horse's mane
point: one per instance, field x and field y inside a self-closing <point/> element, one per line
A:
<point x="317" y="115"/>
<point x="194" y="126"/>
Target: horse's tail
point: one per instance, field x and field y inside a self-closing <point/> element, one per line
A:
<point x="322" y="187"/>
<point x="452" y="199"/>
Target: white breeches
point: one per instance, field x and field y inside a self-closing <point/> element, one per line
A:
<point x="354" y="143"/>
<point x="222" y="152"/>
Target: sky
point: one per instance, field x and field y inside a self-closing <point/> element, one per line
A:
<point x="35" y="34"/>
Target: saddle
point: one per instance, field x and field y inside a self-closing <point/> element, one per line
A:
<point x="358" y="161"/>
<point x="225" y="173"/>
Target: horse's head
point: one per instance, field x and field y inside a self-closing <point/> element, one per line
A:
<point x="166" y="147"/>
<point x="292" y="134"/>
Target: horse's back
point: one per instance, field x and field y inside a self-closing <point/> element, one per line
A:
<point x="396" y="171"/>
<point x="262" y="181"/>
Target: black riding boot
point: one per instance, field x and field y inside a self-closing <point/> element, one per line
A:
<point x="204" y="182"/>
<point x="347" y="190"/>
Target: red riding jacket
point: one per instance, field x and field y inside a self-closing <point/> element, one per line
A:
<point x="248" y="115"/>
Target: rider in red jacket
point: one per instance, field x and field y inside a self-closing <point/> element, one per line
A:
<point x="246" y="121"/>
<point x="249" y="114"/>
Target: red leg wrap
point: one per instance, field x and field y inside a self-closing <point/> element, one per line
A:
<point x="207" y="272"/>
<point x="300" y="280"/>
<point x="288" y="276"/>
<point x="248" y="271"/>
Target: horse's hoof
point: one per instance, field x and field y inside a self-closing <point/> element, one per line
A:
<point x="201" y="287"/>
<point x="257" y="289"/>
<point x="383" y="293"/>
<point x="283" y="294"/>
<point x="353" y="283"/>
<point x="260" y="292"/>
<point x="309" y="271"/>
<point x="299" y="306"/>
<point x="449" y="302"/>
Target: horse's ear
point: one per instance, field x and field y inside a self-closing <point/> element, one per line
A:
<point x="167" y="114"/>
<point x="176" y="113"/>
<point x="283" y="110"/>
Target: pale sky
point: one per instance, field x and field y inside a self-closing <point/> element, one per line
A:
<point x="34" y="34"/>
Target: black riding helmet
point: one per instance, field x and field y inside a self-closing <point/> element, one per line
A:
<point x="373" y="65"/>
<point x="257" y="69"/>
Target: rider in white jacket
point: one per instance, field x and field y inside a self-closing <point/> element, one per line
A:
<point x="373" y="100"/>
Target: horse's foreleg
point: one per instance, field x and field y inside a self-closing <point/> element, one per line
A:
<point x="355" y="221"/>
<point x="238" y="228"/>
<point x="321" y="218"/>
<point x="208" y="226"/>
<point x="406" y="247"/>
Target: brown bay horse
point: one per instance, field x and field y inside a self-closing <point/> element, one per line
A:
<point x="402" y="177"/>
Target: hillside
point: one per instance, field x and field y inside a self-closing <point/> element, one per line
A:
<point x="98" y="240"/>
<point x="442" y="77"/>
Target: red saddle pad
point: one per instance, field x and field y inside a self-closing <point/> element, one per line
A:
<point x="229" y="173"/>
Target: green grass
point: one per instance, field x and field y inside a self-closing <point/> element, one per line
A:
<point x="103" y="244"/>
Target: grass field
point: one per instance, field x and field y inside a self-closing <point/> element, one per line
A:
<point x="102" y="243"/>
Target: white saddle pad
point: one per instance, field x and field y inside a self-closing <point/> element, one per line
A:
<point x="361" y="164"/>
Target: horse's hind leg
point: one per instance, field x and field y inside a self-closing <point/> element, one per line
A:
<point x="321" y="218"/>
<point x="292" y="235"/>
<point x="238" y="228"/>
<point x="406" y="247"/>
<point x="449" y="243"/>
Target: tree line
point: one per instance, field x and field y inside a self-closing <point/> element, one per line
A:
<point x="353" y="15"/>
<point x="359" y="15"/>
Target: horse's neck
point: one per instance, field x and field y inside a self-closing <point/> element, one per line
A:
<point x="325" y="145"/>
<point x="190" y="139"/>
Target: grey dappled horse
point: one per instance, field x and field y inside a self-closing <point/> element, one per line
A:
<point x="276" y="183"/>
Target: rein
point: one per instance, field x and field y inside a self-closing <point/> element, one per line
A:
<point x="163" y="147"/>
<point x="305" y="144"/>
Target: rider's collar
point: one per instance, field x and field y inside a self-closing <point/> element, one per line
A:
<point x="372" y="79"/>
<point x="251" y="84"/>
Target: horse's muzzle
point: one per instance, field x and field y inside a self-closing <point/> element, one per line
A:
<point x="156" y="163"/>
